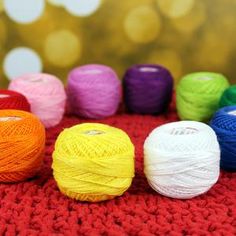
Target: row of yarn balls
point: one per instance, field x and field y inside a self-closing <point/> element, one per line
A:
<point x="95" y="162"/>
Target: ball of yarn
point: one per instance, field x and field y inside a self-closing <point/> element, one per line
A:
<point x="147" y="89"/>
<point x="94" y="91"/>
<point x="93" y="162"/>
<point x="181" y="159"/>
<point x="224" y="124"/>
<point x="229" y="97"/>
<point x="45" y="94"/>
<point x="198" y="95"/>
<point x="13" y="100"/>
<point x="22" y="141"/>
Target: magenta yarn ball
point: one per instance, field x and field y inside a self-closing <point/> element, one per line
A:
<point x="94" y="91"/>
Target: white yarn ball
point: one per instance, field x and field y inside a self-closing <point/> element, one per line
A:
<point x="181" y="159"/>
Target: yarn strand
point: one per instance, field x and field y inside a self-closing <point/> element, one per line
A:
<point x="198" y="95"/>
<point x="93" y="162"/>
<point x="45" y="94"/>
<point x="181" y="159"/>
<point x="22" y="144"/>
<point x="224" y="124"/>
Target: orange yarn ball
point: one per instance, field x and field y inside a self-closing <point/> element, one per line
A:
<point x="22" y="142"/>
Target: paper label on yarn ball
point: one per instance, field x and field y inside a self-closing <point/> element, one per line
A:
<point x="4" y="96"/>
<point x="10" y="118"/>
<point x="148" y="69"/>
<point x="93" y="132"/>
<point x="232" y="113"/>
<point x="183" y="131"/>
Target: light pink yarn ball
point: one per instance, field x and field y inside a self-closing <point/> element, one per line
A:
<point x="46" y="95"/>
<point x="94" y="91"/>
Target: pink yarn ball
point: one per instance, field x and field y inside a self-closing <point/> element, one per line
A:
<point x="94" y="91"/>
<point x="45" y="94"/>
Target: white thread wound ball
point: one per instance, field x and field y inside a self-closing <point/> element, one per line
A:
<point x="181" y="159"/>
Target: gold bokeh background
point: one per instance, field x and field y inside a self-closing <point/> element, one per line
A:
<point x="183" y="35"/>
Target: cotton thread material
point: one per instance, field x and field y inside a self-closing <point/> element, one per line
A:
<point x="198" y="95"/>
<point x="22" y="142"/>
<point x="13" y="100"/>
<point x="224" y="124"/>
<point x="45" y="94"/>
<point x="139" y="212"/>
<point x="93" y="162"/>
<point x="147" y="88"/>
<point x="181" y="159"/>
<point x="94" y="91"/>
<point x="228" y="98"/>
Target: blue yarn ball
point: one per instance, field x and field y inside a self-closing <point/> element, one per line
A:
<point x="224" y="125"/>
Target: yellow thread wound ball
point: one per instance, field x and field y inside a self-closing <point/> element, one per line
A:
<point x="93" y="162"/>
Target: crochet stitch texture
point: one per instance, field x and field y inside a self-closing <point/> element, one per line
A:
<point x="36" y="207"/>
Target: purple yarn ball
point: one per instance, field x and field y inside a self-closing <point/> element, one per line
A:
<point x="147" y="89"/>
<point x="94" y="91"/>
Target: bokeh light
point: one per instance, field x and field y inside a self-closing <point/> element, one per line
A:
<point x="62" y="48"/>
<point x="1" y="6"/>
<point x="82" y="7"/>
<point x="57" y="2"/>
<point x="192" y="20"/>
<point x="24" y="11"/>
<point x="211" y="52"/>
<point x="185" y="36"/>
<point x="175" y="8"/>
<point x="142" y="24"/>
<point x="20" y="61"/>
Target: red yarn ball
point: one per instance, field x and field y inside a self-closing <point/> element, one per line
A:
<point x="13" y="100"/>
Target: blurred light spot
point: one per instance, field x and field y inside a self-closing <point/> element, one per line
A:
<point x="82" y="7"/>
<point x="215" y="53"/>
<point x="35" y="34"/>
<point x="193" y="20"/>
<point x="20" y="61"/>
<point x="57" y="2"/>
<point x="1" y="6"/>
<point x="24" y="11"/>
<point x="62" y="48"/>
<point x="170" y="59"/>
<point x="175" y="8"/>
<point x="142" y="24"/>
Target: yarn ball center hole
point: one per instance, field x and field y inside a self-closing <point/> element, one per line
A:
<point x="183" y="131"/>
<point x="148" y="69"/>
<point x="204" y="78"/>
<point x="93" y="132"/>
<point x="91" y="72"/>
<point x="36" y="80"/>
<point x="4" y="95"/>
<point x="10" y="118"/>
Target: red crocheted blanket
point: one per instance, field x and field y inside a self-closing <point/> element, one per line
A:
<point x="36" y="207"/>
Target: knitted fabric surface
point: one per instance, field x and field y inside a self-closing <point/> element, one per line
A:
<point x="36" y="207"/>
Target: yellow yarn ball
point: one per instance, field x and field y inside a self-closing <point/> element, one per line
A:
<point x="93" y="162"/>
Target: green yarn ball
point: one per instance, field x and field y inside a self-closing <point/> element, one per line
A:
<point x="198" y="95"/>
<point x="229" y="97"/>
